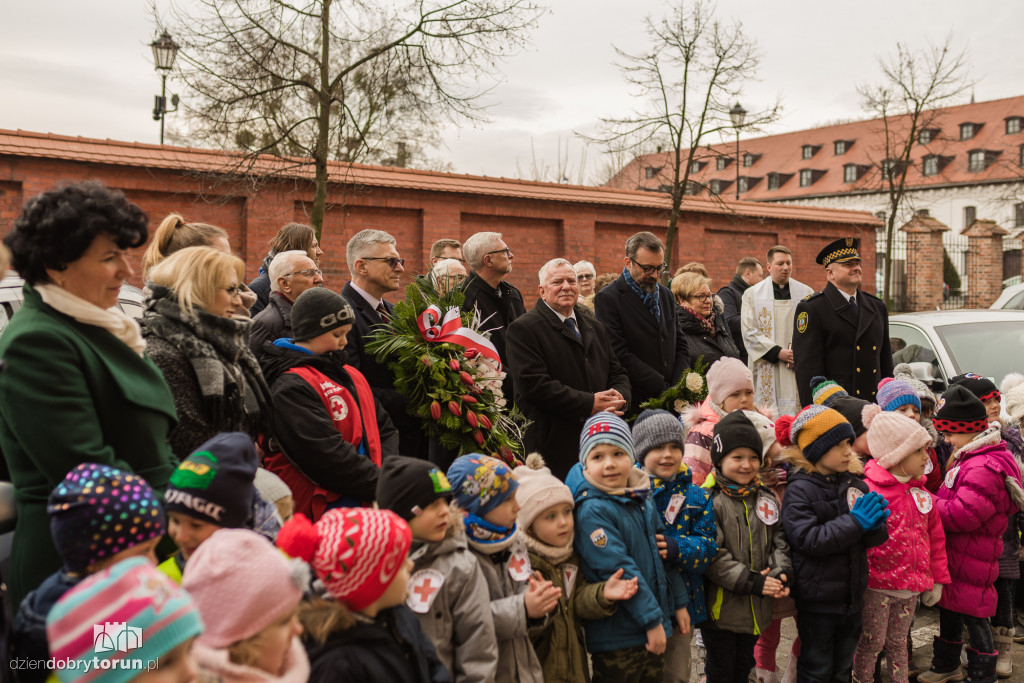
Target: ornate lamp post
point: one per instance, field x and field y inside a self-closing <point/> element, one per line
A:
<point x="164" y="51"/>
<point x="737" y="114"/>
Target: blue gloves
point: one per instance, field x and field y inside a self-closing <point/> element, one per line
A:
<point x="870" y="511"/>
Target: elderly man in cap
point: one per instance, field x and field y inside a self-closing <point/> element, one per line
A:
<point x="841" y="332"/>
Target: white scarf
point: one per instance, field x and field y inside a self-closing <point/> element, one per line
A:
<point x="112" y="320"/>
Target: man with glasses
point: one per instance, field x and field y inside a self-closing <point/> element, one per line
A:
<point x="497" y="302"/>
<point x="766" y="325"/>
<point x="642" y="322"/>
<point x="291" y="273"/>
<point x="841" y="332"/>
<point x="376" y="269"/>
<point x="444" y="249"/>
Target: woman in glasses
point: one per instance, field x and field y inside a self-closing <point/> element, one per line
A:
<point x="197" y="332"/>
<point x="706" y="332"/>
<point x="291" y="237"/>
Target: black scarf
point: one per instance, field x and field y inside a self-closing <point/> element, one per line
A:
<point x="229" y="377"/>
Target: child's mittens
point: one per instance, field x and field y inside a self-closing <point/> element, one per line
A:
<point x="932" y="597"/>
<point x="870" y="511"/>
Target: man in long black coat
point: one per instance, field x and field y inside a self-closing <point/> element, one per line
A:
<point x="642" y="322"/>
<point x="748" y="272"/>
<point x="564" y="369"/>
<point x="841" y="332"/>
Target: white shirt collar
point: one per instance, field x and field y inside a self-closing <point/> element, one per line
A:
<point x="370" y="299"/>
<point x="561" y="318"/>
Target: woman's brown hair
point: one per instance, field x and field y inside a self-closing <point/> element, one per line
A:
<point x="174" y="234"/>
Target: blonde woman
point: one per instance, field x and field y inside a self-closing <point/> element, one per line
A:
<point x="707" y="333"/>
<point x="198" y="335"/>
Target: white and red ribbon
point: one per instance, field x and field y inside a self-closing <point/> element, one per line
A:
<point x="435" y="327"/>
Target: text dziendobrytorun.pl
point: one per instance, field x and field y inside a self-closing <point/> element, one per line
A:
<point x="86" y="665"/>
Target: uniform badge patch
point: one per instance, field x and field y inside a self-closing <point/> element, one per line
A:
<point x="599" y="538"/>
<point x="951" y="477"/>
<point x="767" y="511"/>
<point x="801" y="322"/>
<point x="922" y="499"/>
<point x="569" y="572"/>
<point x="423" y="588"/>
<point x="852" y="494"/>
<point x="519" y="565"/>
<point x="675" y="504"/>
<point x="339" y="409"/>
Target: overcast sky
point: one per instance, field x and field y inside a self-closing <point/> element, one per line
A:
<point x="85" y="68"/>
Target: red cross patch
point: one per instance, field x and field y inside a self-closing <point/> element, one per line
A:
<point x="423" y="588"/>
<point x="519" y="565"/>
<point x="767" y="511"/>
<point x="922" y="499"/>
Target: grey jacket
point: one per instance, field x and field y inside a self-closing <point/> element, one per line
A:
<point x="517" y="662"/>
<point x="746" y="546"/>
<point x="458" y="621"/>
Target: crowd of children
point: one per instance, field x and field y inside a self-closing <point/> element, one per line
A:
<point x="844" y="517"/>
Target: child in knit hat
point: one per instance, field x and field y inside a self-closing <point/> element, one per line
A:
<point x="272" y="489"/>
<point x="484" y="489"/>
<point x="689" y="539"/>
<point x="752" y="567"/>
<point x="90" y="536"/>
<point x="546" y="526"/>
<point x="826" y="392"/>
<point x="128" y="622"/>
<point x="248" y="595"/>
<point x="900" y="396"/>
<point x="362" y="631"/>
<point x="981" y="489"/>
<point x="616" y="526"/>
<point x="211" y="489"/>
<point x="447" y="591"/>
<point x="913" y="561"/>
<point x="730" y="387"/>
<point x="830" y="519"/>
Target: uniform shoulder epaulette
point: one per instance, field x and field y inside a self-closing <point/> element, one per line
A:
<point x="811" y="296"/>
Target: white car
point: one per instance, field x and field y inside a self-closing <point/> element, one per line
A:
<point x="943" y="344"/>
<point x="130" y="300"/>
<point x="1011" y="297"/>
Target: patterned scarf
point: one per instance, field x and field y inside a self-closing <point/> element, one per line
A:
<point x="705" y="324"/>
<point x="486" y="537"/>
<point x="734" y="490"/>
<point x="650" y="299"/>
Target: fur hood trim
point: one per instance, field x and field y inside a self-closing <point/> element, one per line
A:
<point x="989" y="437"/>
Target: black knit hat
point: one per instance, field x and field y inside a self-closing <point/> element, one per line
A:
<point x="317" y="311"/>
<point x="851" y="408"/>
<point x="407" y="486"/>
<point x="733" y="431"/>
<point x="982" y="387"/>
<point x="960" y="412"/>
<point x="215" y="482"/>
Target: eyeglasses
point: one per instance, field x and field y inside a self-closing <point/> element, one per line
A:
<point x="506" y="251"/>
<point x="703" y="298"/>
<point x="650" y="270"/>
<point x="234" y="290"/>
<point x="585" y="276"/>
<point x="393" y="261"/>
<point x="308" y="272"/>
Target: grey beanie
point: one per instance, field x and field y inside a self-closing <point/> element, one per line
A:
<point x="903" y="372"/>
<point x="654" y="428"/>
<point x="317" y="311"/>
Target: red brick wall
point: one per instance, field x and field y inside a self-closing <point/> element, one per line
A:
<point x="536" y="230"/>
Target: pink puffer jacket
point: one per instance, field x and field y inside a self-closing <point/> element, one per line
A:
<point x="700" y="422"/>
<point x="975" y="506"/>
<point x="914" y="557"/>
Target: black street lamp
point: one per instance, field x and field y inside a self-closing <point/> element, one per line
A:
<point x="737" y="114"/>
<point x="164" y="51"/>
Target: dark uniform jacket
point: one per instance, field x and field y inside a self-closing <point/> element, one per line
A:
<point x="653" y="354"/>
<point x="498" y="308"/>
<point x="380" y="378"/>
<point x="732" y="298"/>
<point x="832" y="340"/>
<point x="556" y="377"/>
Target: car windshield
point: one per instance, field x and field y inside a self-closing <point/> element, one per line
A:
<point x="993" y="349"/>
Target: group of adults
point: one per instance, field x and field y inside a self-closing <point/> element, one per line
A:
<point x="83" y="382"/>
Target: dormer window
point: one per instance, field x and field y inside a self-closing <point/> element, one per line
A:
<point x="749" y="159"/>
<point x="850" y="173"/>
<point x="773" y="178"/>
<point x="723" y="163"/>
<point x="841" y="146"/>
<point x="808" y="151"/>
<point x="969" y="130"/>
<point x="1013" y="125"/>
<point x="719" y="186"/>
<point x="652" y="172"/>
<point x="696" y="166"/>
<point x="976" y="160"/>
<point x="930" y="165"/>
<point x="926" y="135"/>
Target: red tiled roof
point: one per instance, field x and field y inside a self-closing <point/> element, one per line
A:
<point x="47" y="145"/>
<point x="783" y="154"/>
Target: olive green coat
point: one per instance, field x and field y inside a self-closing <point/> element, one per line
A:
<point x="72" y="393"/>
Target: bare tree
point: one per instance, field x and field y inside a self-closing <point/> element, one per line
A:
<point x="563" y="170"/>
<point x="688" y="79"/>
<point x="316" y="80"/>
<point x="915" y="84"/>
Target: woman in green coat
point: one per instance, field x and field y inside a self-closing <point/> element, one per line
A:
<point x="77" y="386"/>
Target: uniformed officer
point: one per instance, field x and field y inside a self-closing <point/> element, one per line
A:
<point x="841" y="332"/>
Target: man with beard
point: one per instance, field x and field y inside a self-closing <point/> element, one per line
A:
<point x="766" y="321"/>
<point x="642" y="322"/>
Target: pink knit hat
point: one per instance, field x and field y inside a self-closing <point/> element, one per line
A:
<point x="241" y="584"/>
<point x="356" y="552"/>
<point x="728" y="375"/>
<point x="892" y="436"/>
<point x="538" y="490"/>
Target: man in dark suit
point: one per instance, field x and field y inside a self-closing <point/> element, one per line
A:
<point x="564" y="369"/>
<point x="748" y="272"/>
<point x="841" y="332"/>
<point x="642" y="322"/>
<point x="376" y="267"/>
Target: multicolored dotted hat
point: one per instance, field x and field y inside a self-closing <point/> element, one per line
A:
<point x="960" y="412"/>
<point x="100" y="510"/>
<point x="480" y="483"/>
<point x="893" y="393"/>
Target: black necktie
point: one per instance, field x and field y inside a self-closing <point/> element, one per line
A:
<point x="382" y="312"/>
<point x="853" y="302"/>
<point x="571" y="324"/>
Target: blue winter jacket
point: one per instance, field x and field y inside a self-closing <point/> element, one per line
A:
<point x="617" y="531"/>
<point x="828" y="547"/>
<point x="690" y="534"/>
